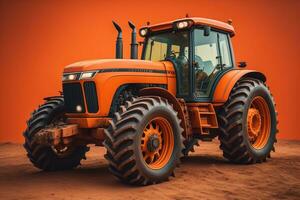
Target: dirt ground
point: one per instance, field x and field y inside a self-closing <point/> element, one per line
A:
<point x="203" y="175"/>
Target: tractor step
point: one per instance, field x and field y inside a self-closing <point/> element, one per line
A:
<point x="203" y="117"/>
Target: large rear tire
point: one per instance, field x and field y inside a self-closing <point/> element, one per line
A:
<point x="248" y="123"/>
<point x="47" y="157"/>
<point x="144" y="141"/>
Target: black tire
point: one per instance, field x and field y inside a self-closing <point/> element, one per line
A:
<point x="123" y="141"/>
<point x="43" y="156"/>
<point x="232" y="118"/>
<point x="190" y="145"/>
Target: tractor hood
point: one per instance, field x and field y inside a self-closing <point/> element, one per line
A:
<point x="92" y="65"/>
<point x="111" y="75"/>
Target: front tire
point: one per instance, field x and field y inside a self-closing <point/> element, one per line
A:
<point x="47" y="157"/>
<point x="144" y="141"/>
<point x="248" y="123"/>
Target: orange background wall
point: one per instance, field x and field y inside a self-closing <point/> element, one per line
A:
<point x="38" y="38"/>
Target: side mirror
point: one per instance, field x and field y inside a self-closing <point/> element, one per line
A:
<point x="242" y="64"/>
<point x="206" y="31"/>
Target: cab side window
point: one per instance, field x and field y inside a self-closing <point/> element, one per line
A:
<point x="225" y="51"/>
<point x="206" y="61"/>
<point x="212" y="55"/>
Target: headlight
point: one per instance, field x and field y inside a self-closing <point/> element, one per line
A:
<point x="70" y="77"/>
<point x="78" y="108"/>
<point x="79" y="76"/>
<point x="87" y="75"/>
<point x="143" y="32"/>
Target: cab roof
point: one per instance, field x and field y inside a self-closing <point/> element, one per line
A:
<point x="196" y="21"/>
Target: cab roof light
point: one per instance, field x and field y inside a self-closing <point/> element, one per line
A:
<point x="143" y="32"/>
<point x="182" y="24"/>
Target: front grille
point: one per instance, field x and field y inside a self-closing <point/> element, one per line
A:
<point x="73" y="97"/>
<point x="91" y="97"/>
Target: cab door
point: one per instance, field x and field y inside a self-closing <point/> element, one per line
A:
<point x="211" y="57"/>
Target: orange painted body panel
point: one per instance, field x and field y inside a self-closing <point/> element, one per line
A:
<point x="90" y="65"/>
<point x="226" y="84"/>
<point x="107" y="83"/>
<point x="89" y="122"/>
<point x="171" y="79"/>
<point x="196" y="21"/>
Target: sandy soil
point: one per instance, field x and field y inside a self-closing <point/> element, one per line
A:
<point x="204" y="175"/>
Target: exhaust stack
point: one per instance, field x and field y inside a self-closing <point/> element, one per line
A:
<point x="134" y="44"/>
<point x="119" y="42"/>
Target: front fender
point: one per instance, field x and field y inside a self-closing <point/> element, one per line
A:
<point x="155" y="91"/>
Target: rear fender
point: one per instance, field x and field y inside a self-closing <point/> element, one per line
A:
<point x="228" y="81"/>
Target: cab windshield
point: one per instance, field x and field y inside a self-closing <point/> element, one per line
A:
<point x="161" y="46"/>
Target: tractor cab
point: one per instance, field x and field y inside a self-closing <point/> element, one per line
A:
<point x="199" y="49"/>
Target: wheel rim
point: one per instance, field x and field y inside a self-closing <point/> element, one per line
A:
<point x="258" y="122"/>
<point x="157" y="143"/>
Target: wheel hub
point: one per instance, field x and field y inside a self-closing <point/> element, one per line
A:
<point x="156" y="143"/>
<point x="153" y="143"/>
<point x="254" y="123"/>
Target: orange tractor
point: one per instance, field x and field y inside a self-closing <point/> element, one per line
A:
<point x="149" y="113"/>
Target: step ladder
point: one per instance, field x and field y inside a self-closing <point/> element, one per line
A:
<point x="203" y="117"/>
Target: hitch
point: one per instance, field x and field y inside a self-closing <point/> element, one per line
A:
<point x="66" y="134"/>
<point x="57" y="134"/>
